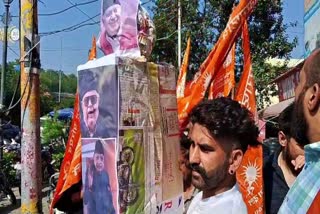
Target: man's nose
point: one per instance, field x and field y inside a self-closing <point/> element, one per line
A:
<point x="89" y="102"/>
<point x="194" y="156"/>
<point x="113" y="15"/>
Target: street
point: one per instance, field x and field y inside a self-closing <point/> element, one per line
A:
<point x="6" y="207"/>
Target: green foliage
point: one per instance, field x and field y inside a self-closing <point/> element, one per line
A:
<point x="7" y="164"/>
<point x="53" y="131"/>
<point x="204" y="20"/>
<point x="49" y="84"/>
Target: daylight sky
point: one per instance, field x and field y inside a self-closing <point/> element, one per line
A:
<point x="65" y="51"/>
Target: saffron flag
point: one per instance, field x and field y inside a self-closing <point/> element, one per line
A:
<point x="183" y="71"/>
<point x="223" y="46"/>
<point x="249" y="175"/>
<point x="93" y="50"/>
<point x="224" y="81"/>
<point x="70" y="171"/>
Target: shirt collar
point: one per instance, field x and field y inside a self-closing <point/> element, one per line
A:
<point x="312" y="152"/>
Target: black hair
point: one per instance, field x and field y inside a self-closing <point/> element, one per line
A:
<point x="88" y="81"/>
<point x="108" y="3"/>
<point x="285" y="120"/>
<point x="185" y="142"/>
<point x="226" y="119"/>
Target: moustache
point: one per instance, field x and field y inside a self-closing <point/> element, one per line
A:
<point x="199" y="169"/>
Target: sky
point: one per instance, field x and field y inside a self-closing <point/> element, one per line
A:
<point x="65" y="51"/>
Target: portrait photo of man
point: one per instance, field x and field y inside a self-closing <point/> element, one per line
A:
<point x="90" y="108"/>
<point x="98" y="107"/>
<point x="118" y="26"/>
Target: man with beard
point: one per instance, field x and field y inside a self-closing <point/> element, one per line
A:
<point x="283" y="166"/>
<point x="304" y="197"/>
<point x="220" y="131"/>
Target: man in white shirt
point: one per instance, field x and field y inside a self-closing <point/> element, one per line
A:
<point x="220" y="131"/>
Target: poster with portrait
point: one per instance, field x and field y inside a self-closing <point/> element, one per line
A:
<point x="118" y="28"/>
<point x="131" y="170"/>
<point x="98" y="91"/>
<point x="99" y="176"/>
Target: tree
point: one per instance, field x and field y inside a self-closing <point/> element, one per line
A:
<point x="204" y="20"/>
<point x="49" y="83"/>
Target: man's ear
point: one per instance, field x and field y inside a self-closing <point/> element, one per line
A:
<point x="282" y="139"/>
<point x="314" y="98"/>
<point x="235" y="160"/>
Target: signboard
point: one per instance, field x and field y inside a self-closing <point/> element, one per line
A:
<point x="311" y="26"/>
<point x="12" y="35"/>
<point x="288" y="82"/>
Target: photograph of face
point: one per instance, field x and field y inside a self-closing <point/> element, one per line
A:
<point x="118" y="27"/>
<point x="98" y="94"/>
<point x="90" y="107"/>
<point x="111" y="19"/>
<point x="99" y="176"/>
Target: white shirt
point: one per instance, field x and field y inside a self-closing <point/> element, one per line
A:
<point x="230" y="201"/>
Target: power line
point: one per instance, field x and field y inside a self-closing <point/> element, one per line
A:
<point x="73" y="4"/>
<point x="68" y="8"/>
<point x="73" y="27"/>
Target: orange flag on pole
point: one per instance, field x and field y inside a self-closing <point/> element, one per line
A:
<point x="223" y="46"/>
<point x="181" y="83"/>
<point x="224" y="81"/>
<point x="70" y="171"/>
<point x="93" y="50"/>
<point x="249" y="175"/>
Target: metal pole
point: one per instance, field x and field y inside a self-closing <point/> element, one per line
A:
<point x="31" y="178"/>
<point x="179" y="34"/>
<point x="3" y="71"/>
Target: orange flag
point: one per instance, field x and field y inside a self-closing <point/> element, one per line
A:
<point x="93" y="50"/>
<point x="181" y="83"/>
<point x="249" y="175"/>
<point x="70" y="171"/>
<point x="217" y="57"/>
<point x="224" y="81"/>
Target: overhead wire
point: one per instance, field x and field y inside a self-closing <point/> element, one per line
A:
<point x="73" y="27"/>
<point x="76" y="6"/>
<point x="68" y="8"/>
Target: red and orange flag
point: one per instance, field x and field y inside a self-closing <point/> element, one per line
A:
<point x="181" y="83"/>
<point x="224" y="81"/>
<point x="215" y="59"/>
<point x="93" y="50"/>
<point x="70" y="171"/>
<point x="249" y="175"/>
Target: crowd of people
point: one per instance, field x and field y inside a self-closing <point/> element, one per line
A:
<point x="215" y="141"/>
<point x="218" y="134"/>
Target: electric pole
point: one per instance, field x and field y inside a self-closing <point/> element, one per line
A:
<point x="4" y="69"/>
<point x="31" y="197"/>
<point x="179" y="34"/>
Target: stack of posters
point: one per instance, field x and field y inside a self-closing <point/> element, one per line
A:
<point x="130" y="137"/>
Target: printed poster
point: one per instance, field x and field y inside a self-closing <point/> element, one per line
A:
<point x="99" y="177"/>
<point x="98" y="90"/>
<point x="131" y="171"/>
<point x="118" y="28"/>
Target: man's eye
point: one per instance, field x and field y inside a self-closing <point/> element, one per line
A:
<point x="205" y="149"/>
